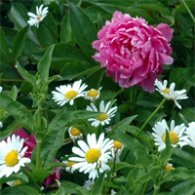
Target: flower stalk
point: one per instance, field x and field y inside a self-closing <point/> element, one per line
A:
<point x="153" y="113"/>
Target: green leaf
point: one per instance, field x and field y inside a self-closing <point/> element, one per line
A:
<point x="54" y="138"/>
<point x="20" y="190"/>
<point x="26" y="75"/>
<point x="18" y="15"/>
<point x="47" y="33"/>
<point x="83" y="29"/>
<point x="40" y="174"/>
<point x="184" y="77"/>
<point x="65" y="30"/>
<point x="179" y="173"/>
<point x="72" y="188"/>
<point x="98" y="186"/>
<point x="4" y="49"/>
<point x="19" y="43"/>
<point x="186" y="187"/>
<point x="17" y="110"/>
<point x="121" y="126"/>
<point x="44" y="64"/>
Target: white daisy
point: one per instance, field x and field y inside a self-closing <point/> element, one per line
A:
<point x="175" y="134"/>
<point x="189" y="138"/>
<point x="92" y="94"/>
<point x="75" y="133"/>
<point x="169" y="167"/>
<point x="35" y="19"/>
<point x="117" y="149"/>
<point x="106" y="113"/>
<point x="12" y="156"/>
<point x="68" y="93"/>
<point x="170" y="93"/>
<point x="93" y="156"/>
<point x="69" y="166"/>
<point x="88" y="184"/>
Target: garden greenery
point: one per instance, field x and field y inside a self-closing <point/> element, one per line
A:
<point x="97" y="97"/>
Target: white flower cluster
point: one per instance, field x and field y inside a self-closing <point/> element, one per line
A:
<point x="94" y="155"/>
<point x="68" y="93"/>
<point x="179" y="135"/>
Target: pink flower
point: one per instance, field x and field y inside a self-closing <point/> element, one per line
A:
<point x="53" y="177"/>
<point x="132" y="51"/>
<point x="30" y="141"/>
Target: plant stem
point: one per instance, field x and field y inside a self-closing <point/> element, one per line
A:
<point x="156" y="189"/>
<point x="153" y="113"/>
<point x="38" y="154"/>
<point x="190" y="13"/>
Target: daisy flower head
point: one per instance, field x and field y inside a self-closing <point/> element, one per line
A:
<point x="106" y="113"/>
<point x="175" y="134"/>
<point x="170" y="93"/>
<point x="75" y="133"/>
<point x="12" y="156"/>
<point x="93" y="94"/>
<point x="93" y="155"/>
<point x="69" y="166"/>
<point x="117" y="149"/>
<point x="189" y="138"/>
<point x="35" y="19"/>
<point x="169" y="167"/>
<point x="68" y="93"/>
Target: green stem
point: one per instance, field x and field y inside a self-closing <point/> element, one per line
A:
<point x="156" y="189"/>
<point x="38" y="154"/>
<point x="190" y="13"/>
<point x="114" y="163"/>
<point x="153" y="113"/>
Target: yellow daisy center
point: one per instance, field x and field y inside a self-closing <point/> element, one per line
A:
<point x="102" y="116"/>
<point x="166" y="91"/>
<point x="17" y="182"/>
<point x="169" y="168"/>
<point x="70" y="163"/>
<point x="39" y="18"/>
<point x="174" y="138"/>
<point x="11" y="159"/>
<point x="117" y="144"/>
<point x="92" y="155"/>
<point x="93" y="93"/>
<point x="71" y="94"/>
<point x="75" y="132"/>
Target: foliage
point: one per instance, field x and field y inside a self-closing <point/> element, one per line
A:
<point x="36" y="60"/>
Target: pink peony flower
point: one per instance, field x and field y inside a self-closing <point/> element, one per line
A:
<point x="132" y="51"/>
